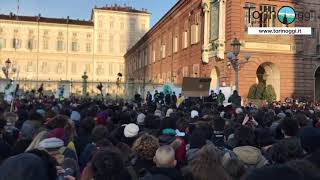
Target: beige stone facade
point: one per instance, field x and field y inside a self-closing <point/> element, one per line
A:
<point x="63" y="49"/>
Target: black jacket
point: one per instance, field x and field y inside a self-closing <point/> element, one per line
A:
<point x="163" y="174"/>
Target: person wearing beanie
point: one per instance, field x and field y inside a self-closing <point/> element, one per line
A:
<point x="140" y="119"/>
<point x="194" y="114"/>
<point x="131" y="130"/>
<point x="55" y="147"/>
<point x="169" y="111"/>
<point x="101" y="119"/>
<point x="196" y="141"/>
<point x="239" y="110"/>
<point x="158" y="113"/>
<point x="218" y="138"/>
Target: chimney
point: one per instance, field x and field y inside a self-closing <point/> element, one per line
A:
<point x="10" y="15"/>
<point x="68" y="19"/>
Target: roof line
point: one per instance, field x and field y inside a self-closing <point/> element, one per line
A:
<point x="157" y="24"/>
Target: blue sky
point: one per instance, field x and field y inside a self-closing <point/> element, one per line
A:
<point x="81" y="8"/>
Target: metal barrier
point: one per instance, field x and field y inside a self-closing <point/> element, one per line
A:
<point x="124" y="89"/>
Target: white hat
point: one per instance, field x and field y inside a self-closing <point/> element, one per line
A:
<point x="51" y="143"/>
<point x="226" y="104"/>
<point x="169" y="111"/>
<point x="194" y="114"/>
<point x="157" y="113"/>
<point x="140" y="118"/>
<point x="239" y="110"/>
<point x="131" y="130"/>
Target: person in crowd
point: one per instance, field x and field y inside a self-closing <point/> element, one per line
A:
<point x="156" y="96"/>
<point x="148" y="98"/>
<point x="99" y="133"/>
<point x="207" y="165"/>
<point x="165" y="165"/>
<point x="218" y="137"/>
<point x="174" y="98"/>
<point x="309" y="139"/>
<point x="145" y="148"/>
<point x="84" y="131"/>
<point x="274" y="172"/>
<point x="5" y="148"/>
<point x="28" y="166"/>
<point x="180" y="100"/>
<point x="37" y="139"/>
<point x="235" y="168"/>
<point x="107" y="164"/>
<point x="221" y="98"/>
<point x="161" y="98"/>
<point x="137" y="98"/>
<point x="196" y="141"/>
<point x="31" y="126"/>
<point x="167" y="99"/>
<point x="120" y="139"/>
<point x="11" y="133"/>
<point x="56" y="148"/>
<point x="235" y="99"/>
<point x="290" y="147"/>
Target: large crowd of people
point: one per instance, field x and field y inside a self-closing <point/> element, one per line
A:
<point x="161" y="137"/>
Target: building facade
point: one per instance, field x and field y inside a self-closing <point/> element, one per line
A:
<point x="52" y="49"/>
<point x="289" y="63"/>
<point x="171" y="49"/>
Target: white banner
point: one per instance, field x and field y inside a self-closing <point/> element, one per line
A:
<point x="280" y="31"/>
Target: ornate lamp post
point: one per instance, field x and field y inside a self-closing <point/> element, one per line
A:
<point x="233" y="58"/>
<point x="7" y="68"/>
<point x="84" y="84"/>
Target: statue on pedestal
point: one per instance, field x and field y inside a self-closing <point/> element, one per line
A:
<point x="84" y="84"/>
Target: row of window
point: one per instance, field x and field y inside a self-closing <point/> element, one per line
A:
<point x="113" y="23"/>
<point x="46" y="33"/>
<point x="32" y="44"/>
<point x="166" y="77"/>
<point x="59" y="68"/>
<point x="187" y="38"/>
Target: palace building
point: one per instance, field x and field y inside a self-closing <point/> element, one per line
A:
<point x="52" y="49"/>
<point x="195" y="36"/>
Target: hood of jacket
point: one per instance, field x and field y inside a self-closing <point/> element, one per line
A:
<point x="250" y="156"/>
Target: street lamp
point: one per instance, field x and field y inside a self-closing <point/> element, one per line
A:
<point x="118" y="84"/>
<point x="233" y="58"/>
<point x="6" y="68"/>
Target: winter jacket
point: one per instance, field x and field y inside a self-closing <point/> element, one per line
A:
<point x="24" y="166"/>
<point x="163" y="174"/>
